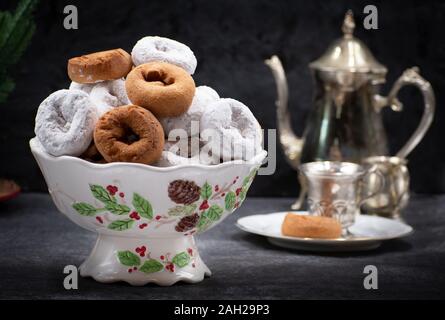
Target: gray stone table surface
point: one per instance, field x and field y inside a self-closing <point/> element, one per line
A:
<point x="36" y="242"/>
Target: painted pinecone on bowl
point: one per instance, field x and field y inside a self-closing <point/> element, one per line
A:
<point x="183" y="191"/>
<point x="187" y="223"/>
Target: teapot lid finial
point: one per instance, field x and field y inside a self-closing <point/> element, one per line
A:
<point x="348" y="24"/>
<point x="348" y="53"/>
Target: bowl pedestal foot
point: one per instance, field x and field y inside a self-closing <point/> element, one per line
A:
<point x="139" y="261"/>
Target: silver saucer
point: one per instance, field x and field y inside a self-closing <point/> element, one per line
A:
<point x="367" y="233"/>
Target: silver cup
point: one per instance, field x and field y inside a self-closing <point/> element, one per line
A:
<point x="335" y="189"/>
<point x="394" y="196"/>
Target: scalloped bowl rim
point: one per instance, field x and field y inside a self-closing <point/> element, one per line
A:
<point x="38" y="149"/>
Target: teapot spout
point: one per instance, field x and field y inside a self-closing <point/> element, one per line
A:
<point x="291" y="144"/>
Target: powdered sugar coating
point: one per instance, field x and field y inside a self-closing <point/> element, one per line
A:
<point x="231" y="130"/>
<point x="65" y="122"/>
<point x="109" y="94"/>
<point x="204" y="96"/>
<point x="150" y="49"/>
<point x="169" y="159"/>
<point x="187" y="151"/>
<point x="185" y="147"/>
<point x="85" y="87"/>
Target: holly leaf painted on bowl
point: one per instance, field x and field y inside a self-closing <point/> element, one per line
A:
<point x="230" y="200"/>
<point x="85" y="209"/>
<point x="116" y="208"/>
<point x="243" y="193"/>
<point x="209" y="216"/>
<point x="151" y="266"/>
<point x="214" y="212"/>
<point x="248" y="180"/>
<point x="121" y="225"/>
<point x="128" y="258"/>
<point x="203" y="222"/>
<point x="181" y="259"/>
<point x="142" y="206"/>
<point x="101" y="194"/>
<point x="206" y="191"/>
<point x="182" y="210"/>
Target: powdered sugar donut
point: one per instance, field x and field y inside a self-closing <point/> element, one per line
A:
<point x="85" y="87"/>
<point x="203" y="97"/>
<point x="105" y="94"/>
<point x="230" y="130"/>
<point x="169" y="159"/>
<point x="65" y="122"/>
<point x="109" y="94"/>
<point x="184" y="146"/>
<point x="150" y="49"/>
<point x="186" y="151"/>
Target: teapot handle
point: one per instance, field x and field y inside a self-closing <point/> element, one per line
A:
<point x="411" y="76"/>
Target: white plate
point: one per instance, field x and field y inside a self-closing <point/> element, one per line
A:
<point x="367" y="233"/>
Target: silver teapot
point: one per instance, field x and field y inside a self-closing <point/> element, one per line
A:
<point x="345" y="123"/>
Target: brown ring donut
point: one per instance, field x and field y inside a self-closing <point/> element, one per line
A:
<point x="163" y="88"/>
<point x="129" y="134"/>
<point x="100" y="66"/>
<point x="91" y="154"/>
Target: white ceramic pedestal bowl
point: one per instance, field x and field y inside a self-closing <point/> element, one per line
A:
<point x="146" y="217"/>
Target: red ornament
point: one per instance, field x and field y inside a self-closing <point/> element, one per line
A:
<point x="238" y="191"/>
<point x="158" y="217"/>
<point x="121" y="194"/>
<point x="99" y="219"/>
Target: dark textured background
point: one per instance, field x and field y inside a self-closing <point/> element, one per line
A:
<point x="231" y="39"/>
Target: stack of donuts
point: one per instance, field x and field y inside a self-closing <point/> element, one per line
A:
<point x="144" y="108"/>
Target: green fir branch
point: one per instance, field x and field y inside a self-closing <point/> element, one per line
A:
<point x="6" y="86"/>
<point x="16" y="30"/>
